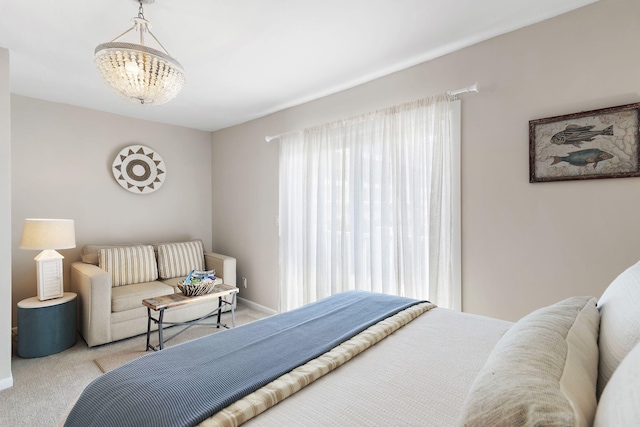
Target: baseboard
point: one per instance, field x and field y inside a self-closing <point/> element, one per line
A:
<point x="256" y="306"/>
<point x="6" y="382"/>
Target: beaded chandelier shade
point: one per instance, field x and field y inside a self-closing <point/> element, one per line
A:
<point x="141" y="74"/>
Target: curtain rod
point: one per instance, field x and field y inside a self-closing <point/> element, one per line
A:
<point x="453" y="93"/>
<point x="472" y="88"/>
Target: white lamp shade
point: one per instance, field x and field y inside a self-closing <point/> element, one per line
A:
<point x="44" y="234"/>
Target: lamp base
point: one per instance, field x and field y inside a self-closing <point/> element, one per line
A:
<point x="49" y="272"/>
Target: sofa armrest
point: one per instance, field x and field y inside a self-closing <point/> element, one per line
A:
<point x="225" y="266"/>
<point x="93" y="287"/>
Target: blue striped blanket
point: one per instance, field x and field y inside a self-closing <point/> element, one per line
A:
<point x="185" y="384"/>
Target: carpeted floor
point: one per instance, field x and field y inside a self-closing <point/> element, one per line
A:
<point x="43" y="388"/>
<point x="122" y="356"/>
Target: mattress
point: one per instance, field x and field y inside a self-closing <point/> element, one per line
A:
<point x="419" y="375"/>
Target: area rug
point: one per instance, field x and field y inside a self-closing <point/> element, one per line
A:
<point x="137" y="347"/>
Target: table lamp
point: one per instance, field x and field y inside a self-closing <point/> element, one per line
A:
<point x="48" y="235"/>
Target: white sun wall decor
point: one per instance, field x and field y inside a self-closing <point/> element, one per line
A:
<point x="139" y="169"/>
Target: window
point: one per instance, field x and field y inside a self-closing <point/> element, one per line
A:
<point x="372" y="203"/>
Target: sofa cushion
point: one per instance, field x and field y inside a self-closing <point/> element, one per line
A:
<point x="178" y="259"/>
<point x="174" y="282"/>
<point x="131" y="296"/>
<point x="619" y="322"/>
<point x="619" y="401"/>
<point x="129" y="264"/>
<point x="543" y="371"/>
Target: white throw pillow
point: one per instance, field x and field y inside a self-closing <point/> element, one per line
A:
<point x="129" y="264"/>
<point x="542" y="372"/>
<point x="619" y="309"/>
<point x="620" y="401"/>
<point x="178" y="259"/>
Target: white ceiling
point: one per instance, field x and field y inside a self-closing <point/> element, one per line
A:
<point x="247" y="58"/>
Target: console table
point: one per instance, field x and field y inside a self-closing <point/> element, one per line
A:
<point x="162" y="303"/>
<point x="46" y="327"/>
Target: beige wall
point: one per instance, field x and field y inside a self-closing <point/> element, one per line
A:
<point x="524" y="245"/>
<point x="5" y="222"/>
<point x="61" y="168"/>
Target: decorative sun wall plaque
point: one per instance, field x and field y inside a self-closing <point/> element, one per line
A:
<point x="139" y="169"/>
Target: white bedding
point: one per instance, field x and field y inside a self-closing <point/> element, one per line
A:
<point x="432" y="371"/>
<point x="417" y="376"/>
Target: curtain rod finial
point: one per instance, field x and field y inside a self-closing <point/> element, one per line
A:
<point x="271" y="138"/>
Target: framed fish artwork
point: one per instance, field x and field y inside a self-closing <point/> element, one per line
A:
<point x="588" y="145"/>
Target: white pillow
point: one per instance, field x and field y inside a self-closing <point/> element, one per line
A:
<point x="620" y="401"/>
<point x="178" y="259"/>
<point x="619" y="322"/>
<point x="542" y="372"/>
<point x="129" y="264"/>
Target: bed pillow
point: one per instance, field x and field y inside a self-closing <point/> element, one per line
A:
<point x="619" y="401"/>
<point x="178" y="259"/>
<point x="129" y="264"/>
<point x="619" y="322"/>
<point x="543" y="371"/>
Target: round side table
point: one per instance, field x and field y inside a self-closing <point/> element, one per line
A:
<point x="46" y="327"/>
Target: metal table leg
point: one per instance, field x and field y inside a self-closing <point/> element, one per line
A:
<point x="219" y="312"/>
<point x="233" y="311"/>
<point x="148" y="327"/>
<point x="160" y="337"/>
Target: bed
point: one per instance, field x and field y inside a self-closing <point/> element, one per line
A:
<point x="575" y="362"/>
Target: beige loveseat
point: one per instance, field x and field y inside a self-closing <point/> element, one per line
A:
<point x="111" y="282"/>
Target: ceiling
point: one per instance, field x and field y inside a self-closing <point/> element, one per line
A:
<point x="245" y="59"/>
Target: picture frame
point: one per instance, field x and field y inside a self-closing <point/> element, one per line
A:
<point x="591" y="144"/>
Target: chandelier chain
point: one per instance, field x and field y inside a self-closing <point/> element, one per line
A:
<point x="140" y="10"/>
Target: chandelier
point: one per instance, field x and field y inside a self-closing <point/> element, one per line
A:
<point x="137" y="72"/>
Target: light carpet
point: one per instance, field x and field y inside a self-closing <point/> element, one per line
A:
<point x="122" y="356"/>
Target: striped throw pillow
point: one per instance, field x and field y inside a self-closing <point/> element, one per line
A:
<point x="178" y="259"/>
<point x="129" y="264"/>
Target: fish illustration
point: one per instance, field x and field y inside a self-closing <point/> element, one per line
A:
<point x="583" y="157"/>
<point x="576" y="135"/>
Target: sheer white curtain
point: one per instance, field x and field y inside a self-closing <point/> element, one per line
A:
<point x="365" y="203"/>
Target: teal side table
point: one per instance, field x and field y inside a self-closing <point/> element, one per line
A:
<point x="46" y="327"/>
